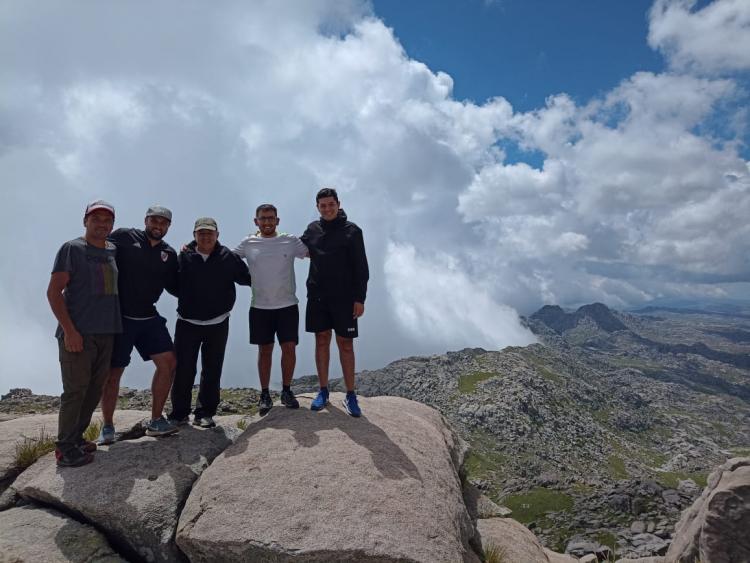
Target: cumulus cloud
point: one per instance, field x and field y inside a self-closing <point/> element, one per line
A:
<point x="641" y="193"/>
<point x="712" y="39"/>
<point x="446" y="303"/>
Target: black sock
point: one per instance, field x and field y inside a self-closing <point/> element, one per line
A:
<point x="286" y="387"/>
<point x="264" y="391"/>
<point x="324" y="389"/>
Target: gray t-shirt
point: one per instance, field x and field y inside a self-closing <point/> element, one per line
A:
<point x="91" y="294"/>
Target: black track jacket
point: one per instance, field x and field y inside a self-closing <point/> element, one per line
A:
<point x="338" y="263"/>
<point x="206" y="288"/>
<point x="145" y="271"/>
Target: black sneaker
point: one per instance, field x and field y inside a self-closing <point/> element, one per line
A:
<point x="289" y="400"/>
<point x="265" y="404"/>
<point x="74" y="458"/>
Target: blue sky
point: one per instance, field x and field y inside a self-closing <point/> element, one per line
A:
<point x="498" y="156"/>
<point x="526" y="50"/>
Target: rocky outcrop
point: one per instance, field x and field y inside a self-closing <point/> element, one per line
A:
<point x="38" y="534"/>
<point x="133" y="491"/>
<point x="480" y="506"/>
<point x="715" y="529"/>
<point x="511" y="540"/>
<point x="322" y="486"/>
<point x="13" y="432"/>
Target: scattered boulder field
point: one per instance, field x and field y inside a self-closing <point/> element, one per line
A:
<point x="617" y="437"/>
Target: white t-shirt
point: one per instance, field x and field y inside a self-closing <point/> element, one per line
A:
<point x="271" y="263"/>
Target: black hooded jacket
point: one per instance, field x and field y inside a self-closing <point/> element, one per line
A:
<point x="338" y="263"/>
<point x="206" y="288"/>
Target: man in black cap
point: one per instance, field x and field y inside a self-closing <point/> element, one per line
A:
<point x="147" y="266"/>
<point x="82" y="293"/>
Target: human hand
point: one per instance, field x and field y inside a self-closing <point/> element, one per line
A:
<point x="359" y="309"/>
<point x="73" y="341"/>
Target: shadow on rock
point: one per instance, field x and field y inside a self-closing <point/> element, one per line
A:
<point x="306" y="425"/>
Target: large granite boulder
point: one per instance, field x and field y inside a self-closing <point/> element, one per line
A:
<point x="38" y="534"/>
<point x="643" y="560"/>
<point x="322" y="486"/>
<point x="716" y="529"/>
<point x="481" y="506"/>
<point x="514" y="541"/>
<point x="134" y="490"/>
<point x="555" y="557"/>
<point x="14" y="431"/>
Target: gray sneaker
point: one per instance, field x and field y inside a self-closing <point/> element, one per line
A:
<point x="204" y="422"/>
<point x="107" y="435"/>
<point x="160" y="427"/>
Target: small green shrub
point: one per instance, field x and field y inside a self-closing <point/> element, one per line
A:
<point x="92" y="431"/>
<point x="242" y="424"/>
<point x="30" y="449"/>
<point x="608" y="539"/>
<point x="494" y="554"/>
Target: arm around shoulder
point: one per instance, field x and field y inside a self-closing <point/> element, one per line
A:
<point x="241" y="271"/>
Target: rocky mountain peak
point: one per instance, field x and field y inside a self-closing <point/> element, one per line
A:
<point x="554" y="317"/>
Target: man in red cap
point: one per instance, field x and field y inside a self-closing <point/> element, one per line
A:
<point x="83" y="295"/>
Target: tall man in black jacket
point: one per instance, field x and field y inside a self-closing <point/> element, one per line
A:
<point x="208" y="272"/>
<point x="336" y="289"/>
<point x="147" y="266"/>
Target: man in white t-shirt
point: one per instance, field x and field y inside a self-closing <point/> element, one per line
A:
<point x="273" y="311"/>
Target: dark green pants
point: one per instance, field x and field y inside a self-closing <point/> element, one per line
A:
<point x="83" y="377"/>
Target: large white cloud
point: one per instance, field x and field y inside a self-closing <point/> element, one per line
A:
<point x="213" y="110"/>
<point x="713" y="39"/>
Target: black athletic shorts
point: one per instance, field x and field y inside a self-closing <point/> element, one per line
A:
<point x="265" y="323"/>
<point x="322" y="315"/>
<point x="148" y="336"/>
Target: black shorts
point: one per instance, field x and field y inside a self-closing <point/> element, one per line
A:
<point x="265" y="323"/>
<point x="322" y="315"/>
<point x="149" y="336"/>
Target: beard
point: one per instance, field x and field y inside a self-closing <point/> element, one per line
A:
<point x="152" y="235"/>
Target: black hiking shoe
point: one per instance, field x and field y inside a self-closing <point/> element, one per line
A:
<point x="265" y="403"/>
<point x="289" y="400"/>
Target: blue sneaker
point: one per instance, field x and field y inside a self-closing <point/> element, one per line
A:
<point x="107" y="435"/>
<point x="350" y="404"/>
<point x="320" y="401"/>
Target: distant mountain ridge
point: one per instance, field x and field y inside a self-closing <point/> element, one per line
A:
<point x="558" y="320"/>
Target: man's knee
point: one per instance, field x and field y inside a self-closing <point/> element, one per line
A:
<point x="165" y="362"/>
<point x="345" y="345"/>
<point x="113" y="379"/>
<point x="323" y="339"/>
<point x="266" y="350"/>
